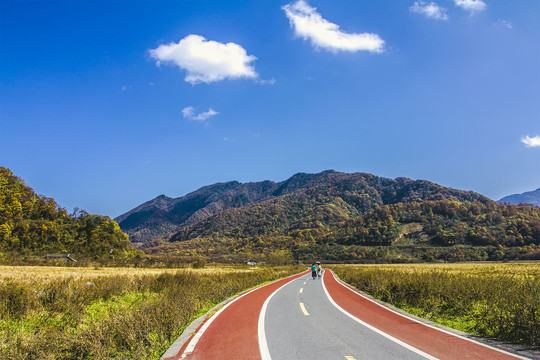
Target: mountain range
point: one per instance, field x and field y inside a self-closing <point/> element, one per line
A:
<point x="303" y="201"/>
<point x="529" y="197"/>
<point x="330" y="216"/>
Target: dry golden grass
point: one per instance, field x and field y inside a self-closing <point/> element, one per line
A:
<point x="31" y="274"/>
<point x="66" y="313"/>
<point x="528" y="269"/>
<point x="500" y="300"/>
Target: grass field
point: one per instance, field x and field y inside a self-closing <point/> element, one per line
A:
<point x="29" y="274"/>
<point x="110" y="313"/>
<point x="499" y="300"/>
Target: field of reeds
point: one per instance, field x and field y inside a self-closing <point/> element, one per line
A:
<point x="497" y="300"/>
<point x="111" y="313"/>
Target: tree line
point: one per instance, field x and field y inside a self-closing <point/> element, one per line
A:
<point x="34" y="224"/>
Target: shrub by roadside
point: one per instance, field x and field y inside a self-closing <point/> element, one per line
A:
<point x="112" y="317"/>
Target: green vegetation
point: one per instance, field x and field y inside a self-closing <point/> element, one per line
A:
<point x="443" y="223"/>
<point x="113" y="315"/>
<point x="36" y="225"/>
<point x="494" y="300"/>
<point x="328" y="216"/>
<point x="318" y="201"/>
<point x="440" y="230"/>
<point x="303" y="201"/>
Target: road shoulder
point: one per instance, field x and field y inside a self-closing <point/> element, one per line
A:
<point x="519" y="350"/>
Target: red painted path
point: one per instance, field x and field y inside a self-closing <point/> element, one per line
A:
<point x="232" y="335"/>
<point x="440" y="344"/>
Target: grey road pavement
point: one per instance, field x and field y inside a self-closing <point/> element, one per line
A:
<point x="302" y="324"/>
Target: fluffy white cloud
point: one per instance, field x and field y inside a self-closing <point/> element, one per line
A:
<point x="309" y="24"/>
<point x="531" y="141"/>
<point x="471" y="5"/>
<point x="206" y="60"/>
<point x="189" y="113"/>
<point x="431" y="10"/>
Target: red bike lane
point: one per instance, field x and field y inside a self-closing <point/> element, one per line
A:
<point x="438" y="343"/>
<point x="232" y="333"/>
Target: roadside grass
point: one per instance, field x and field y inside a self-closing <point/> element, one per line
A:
<point x="498" y="300"/>
<point x="29" y="274"/>
<point x="111" y="313"/>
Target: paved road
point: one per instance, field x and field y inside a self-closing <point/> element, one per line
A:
<point x="299" y="318"/>
<point x="232" y="332"/>
<point x="436" y="342"/>
<point x="321" y="331"/>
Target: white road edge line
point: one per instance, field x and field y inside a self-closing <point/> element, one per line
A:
<point x="431" y="326"/>
<point x="263" y="344"/>
<point x="372" y="328"/>
<point x="195" y="339"/>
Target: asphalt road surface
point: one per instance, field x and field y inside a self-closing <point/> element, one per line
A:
<point x="299" y="318"/>
<point x="301" y="323"/>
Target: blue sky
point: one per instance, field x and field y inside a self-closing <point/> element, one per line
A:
<point x="105" y="105"/>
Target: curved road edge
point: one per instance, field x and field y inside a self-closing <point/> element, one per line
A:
<point x="373" y="328"/>
<point x="185" y="344"/>
<point x="433" y="338"/>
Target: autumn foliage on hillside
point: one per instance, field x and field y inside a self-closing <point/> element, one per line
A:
<point x="33" y="224"/>
<point x="442" y="230"/>
<point x="319" y="200"/>
<point x="444" y="223"/>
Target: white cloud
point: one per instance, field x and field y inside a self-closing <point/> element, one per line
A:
<point x="206" y="60"/>
<point x="271" y="81"/>
<point x="309" y="24"/>
<point x="505" y="23"/>
<point x="189" y="113"/>
<point x="471" y="5"/>
<point x="431" y="10"/>
<point x="531" y="141"/>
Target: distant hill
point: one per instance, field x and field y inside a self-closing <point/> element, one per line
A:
<point x="302" y="201"/>
<point x="31" y="224"/>
<point x="163" y="216"/>
<point x="529" y="197"/>
<point x="320" y="200"/>
<point x="360" y="217"/>
<point x="442" y="223"/>
<point x="441" y="230"/>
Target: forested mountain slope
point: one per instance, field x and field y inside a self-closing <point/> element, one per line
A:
<point x="323" y="199"/>
<point x="441" y="230"/>
<point x="162" y="216"/>
<point x="441" y="223"/>
<point x="33" y="224"/>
